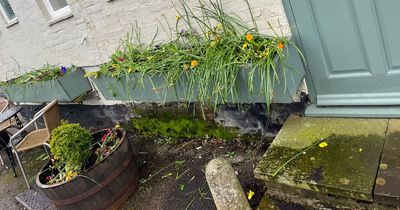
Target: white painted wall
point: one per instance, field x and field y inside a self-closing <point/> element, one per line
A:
<point x="97" y="28"/>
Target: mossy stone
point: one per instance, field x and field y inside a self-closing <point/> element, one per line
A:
<point x="387" y="187"/>
<point x="338" y="156"/>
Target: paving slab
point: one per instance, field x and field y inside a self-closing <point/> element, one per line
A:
<point x="387" y="185"/>
<point x="34" y="199"/>
<point x="336" y="156"/>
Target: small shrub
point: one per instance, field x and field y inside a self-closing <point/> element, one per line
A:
<point x="70" y="144"/>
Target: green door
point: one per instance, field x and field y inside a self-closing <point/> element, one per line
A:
<point x="352" y="49"/>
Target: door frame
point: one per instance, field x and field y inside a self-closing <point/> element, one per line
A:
<point x="296" y="36"/>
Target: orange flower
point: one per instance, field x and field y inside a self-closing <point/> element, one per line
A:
<point x="194" y="63"/>
<point x="249" y="37"/>
<point x="280" y="45"/>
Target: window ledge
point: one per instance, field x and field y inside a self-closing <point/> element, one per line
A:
<point x="11" y="23"/>
<point x="60" y="18"/>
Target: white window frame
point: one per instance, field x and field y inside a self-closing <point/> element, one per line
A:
<point x="3" y="11"/>
<point x="56" y="13"/>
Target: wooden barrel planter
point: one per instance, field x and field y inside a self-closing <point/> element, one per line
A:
<point x="106" y="185"/>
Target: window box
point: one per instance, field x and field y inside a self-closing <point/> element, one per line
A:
<point x="64" y="89"/>
<point x="153" y="88"/>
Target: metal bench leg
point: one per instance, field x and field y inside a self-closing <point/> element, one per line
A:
<point x="22" y="170"/>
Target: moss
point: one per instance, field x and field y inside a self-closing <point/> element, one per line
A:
<point x="346" y="163"/>
<point x="177" y="125"/>
<point x="298" y="133"/>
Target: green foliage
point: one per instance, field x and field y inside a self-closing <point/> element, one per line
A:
<point x="208" y="51"/>
<point x="168" y="126"/>
<point x="45" y="73"/>
<point x="71" y="145"/>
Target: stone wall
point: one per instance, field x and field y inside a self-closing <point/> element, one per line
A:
<point x="97" y="28"/>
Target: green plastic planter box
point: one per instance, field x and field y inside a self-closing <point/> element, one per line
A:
<point x="153" y="88"/>
<point x="64" y="89"/>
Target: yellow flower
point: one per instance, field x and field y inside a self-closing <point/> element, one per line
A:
<point x="250" y="194"/>
<point x="208" y="34"/>
<point x="70" y="175"/>
<point x="213" y="43"/>
<point x="194" y="64"/>
<point x="244" y="45"/>
<point x="186" y="66"/>
<point x="219" y="27"/>
<point x="265" y="54"/>
<point x="323" y="144"/>
<point x="117" y="126"/>
<point x="249" y="37"/>
<point x="178" y="17"/>
<point x="130" y="70"/>
<point x="92" y="74"/>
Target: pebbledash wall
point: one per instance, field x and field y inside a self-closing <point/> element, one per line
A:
<point x="94" y="29"/>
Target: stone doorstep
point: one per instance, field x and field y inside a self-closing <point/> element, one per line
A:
<point x="387" y="184"/>
<point x="278" y="196"/>
<point x="345" y="167"/>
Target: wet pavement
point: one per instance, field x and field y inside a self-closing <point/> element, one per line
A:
<point x="336" y="156"/>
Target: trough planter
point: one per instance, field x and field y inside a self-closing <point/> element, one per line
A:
<point x="106" y="185"/>
<point x="153" y="88"/>
<point x="64" y="89"/>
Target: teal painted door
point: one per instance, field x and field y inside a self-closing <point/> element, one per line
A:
<point x="352" y="49"/>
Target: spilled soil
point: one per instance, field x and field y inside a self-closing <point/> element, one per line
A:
<point x="172" y="175"/>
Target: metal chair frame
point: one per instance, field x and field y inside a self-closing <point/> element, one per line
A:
<point x="13" y="138"/>
<point x="2" y="110"/>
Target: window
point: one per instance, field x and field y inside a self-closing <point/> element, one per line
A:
<point x="57" y="8"/>
<point x="7" y="11"/>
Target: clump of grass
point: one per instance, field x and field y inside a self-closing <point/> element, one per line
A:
<point x="210" y="48"/>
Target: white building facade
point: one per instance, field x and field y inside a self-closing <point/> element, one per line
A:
<point x="87" y="32"/>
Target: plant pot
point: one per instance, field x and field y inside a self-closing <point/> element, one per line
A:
<point x="64" y="89"/>
<point x="152" y="89"/>
<point x="106" y="185"/>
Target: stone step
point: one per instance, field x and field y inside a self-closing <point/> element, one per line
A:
<point x="387" y="184"/>
<point x="330" y="156"/>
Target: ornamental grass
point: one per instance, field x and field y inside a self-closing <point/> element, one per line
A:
<point x="208" y="50"/>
